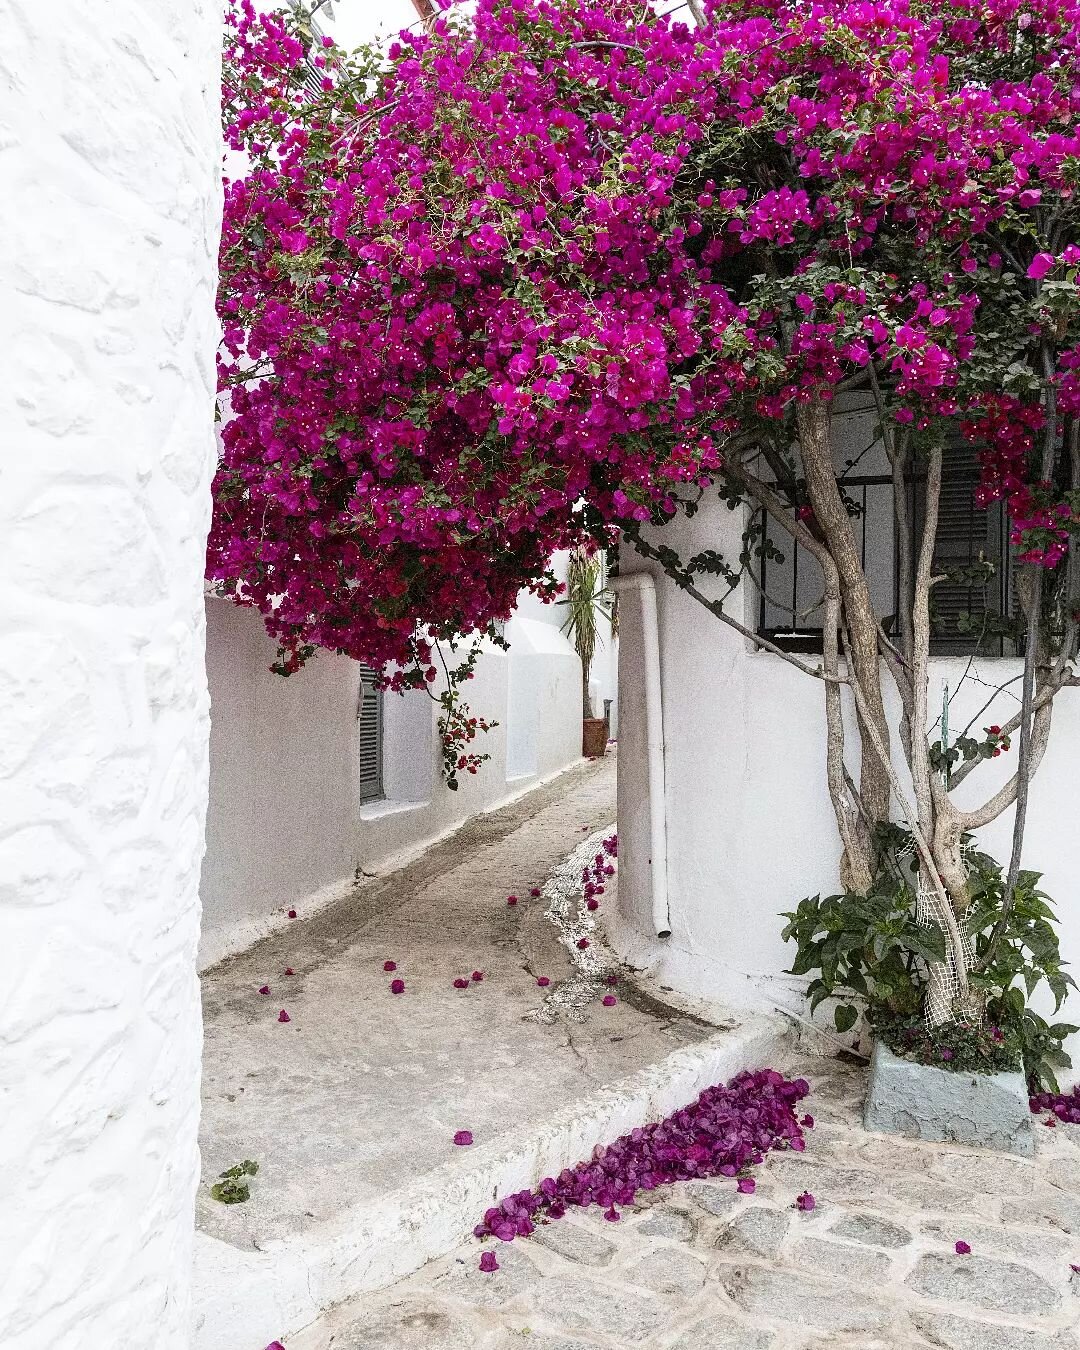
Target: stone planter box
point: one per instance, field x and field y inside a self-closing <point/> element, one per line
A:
<point x="923" y="1102"/>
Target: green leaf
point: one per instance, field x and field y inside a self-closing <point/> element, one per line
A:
<point x="845" y="1016"/>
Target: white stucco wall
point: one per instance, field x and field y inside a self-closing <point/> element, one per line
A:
<point x="109" y="217"/>
<point x="750" y="827"/>
<point x="286" y="827"/>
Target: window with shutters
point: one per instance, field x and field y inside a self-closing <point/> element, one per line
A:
<point x="967" y="611"/>
<point x="369" y="723"/>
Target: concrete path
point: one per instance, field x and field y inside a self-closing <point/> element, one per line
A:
<point x="701" y="1267"/>
<point x="351" y="1106"/>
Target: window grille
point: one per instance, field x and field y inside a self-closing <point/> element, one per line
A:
<point x="369" y="719"/>
<point x="962" y="612"/>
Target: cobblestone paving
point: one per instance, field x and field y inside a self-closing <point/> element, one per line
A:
<point x="700" y="1267"/>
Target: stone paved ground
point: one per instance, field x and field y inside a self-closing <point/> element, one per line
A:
<point x="700" y="1267"/>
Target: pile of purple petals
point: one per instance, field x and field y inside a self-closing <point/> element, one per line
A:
<point x="727" y="1130"/>
<point x="1064" y="1105"/>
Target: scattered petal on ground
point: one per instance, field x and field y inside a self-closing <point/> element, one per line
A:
<point x="963" y="1248"/>
<point x="583" y="943"/>
<point x="511" y="900"/>
<point x="535" y="891"/>
<point x="478" y="975"/>
<point x="542" y="981"/>
<point x="805" y="1202"/>
<point x="389" y="965"/>
<point x="292" y="913"/>
<point x="459" y="983"/>
<point x="283" y="1016"/>
<point x="397" y="986"/>
<point x="487" y="1263"/>
<point x="609" y="1000"/>
<point x="289" y="970"/>
<point x="463" y="1138"/>
<point x="264" y="989"/>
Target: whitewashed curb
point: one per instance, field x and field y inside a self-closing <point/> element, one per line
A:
<point x="244" y="1300"/>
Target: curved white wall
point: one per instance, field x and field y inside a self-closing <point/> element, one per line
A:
<point x="750" y="826"/>
<point x="109" y="188"/>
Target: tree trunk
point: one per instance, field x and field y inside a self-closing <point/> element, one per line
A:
<point x="814" y="422"/>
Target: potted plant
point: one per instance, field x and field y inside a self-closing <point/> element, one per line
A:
<point x="587" y="602"/>
<point x="966" y="1080"/>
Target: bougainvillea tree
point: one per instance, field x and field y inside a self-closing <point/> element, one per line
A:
<point x="559" y="268"/>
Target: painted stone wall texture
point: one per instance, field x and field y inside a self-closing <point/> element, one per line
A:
<point x="109" y="185"/>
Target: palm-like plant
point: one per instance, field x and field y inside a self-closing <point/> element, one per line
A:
<point x="586" y="603"/>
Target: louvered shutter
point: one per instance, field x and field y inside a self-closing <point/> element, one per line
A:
<point x="966" y="532"/>
<point x="369" y="719"/>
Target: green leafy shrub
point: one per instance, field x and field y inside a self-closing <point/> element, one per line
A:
<point x="867" y="952"/>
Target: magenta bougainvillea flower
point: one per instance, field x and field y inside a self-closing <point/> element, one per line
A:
<point x="511" y="900"/>
<point x="283" y="1016"/>
<point x="963" y="1248"/>
<point x="542" y="981"/>
<point x="1063" y="1106"/>
<point x="609" y="1000"/>
<point x="389" y="965"/>
<point x="612" y="1214"/>
<point x="463" y="1138"/>
<point x="576" y="284"/>
<point x="488" y="1263"/>
<point x="727" y="1130"/>
<point x="747" y="1185"/>
<point x="805" y="1202"/>
<point x="808" y="1121"/>
<point x="477" y="975"/>
<point x="264" y="989"/>
<point x="397" y="986"/>
<point x="275" y="1345"/>
<point x="461" y="983"/>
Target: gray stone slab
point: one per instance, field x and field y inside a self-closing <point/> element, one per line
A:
<point x="870" y="1229"/>
<point x="667" y="1222"/>
<point x="978" y="1281"/>
<point x="412" y="1325"/>
<point x="755" y="1232"/>
<point x="787" y="1296"/>
<point x="965" y="1333"/>
<point x="576" y="1303"/>
<point x="723" y="1333"/>
<point x="668" y="1270"/>
<point x="574" y="1242"/>
<point x="919" y="1101"/>
<point x="847" y="1260"/>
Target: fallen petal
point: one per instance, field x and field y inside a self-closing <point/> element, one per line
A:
<point x="283" y="1016"/>
<point x="264" y="989"/>
<point x="397" y="986"/>
<point x="459" y="983"/>
<point x="289" y="970"/>
<point x="488" y="1264"/>
<point x="542" y="981"/>
<point x="747" y="1185"/>
<point x="292" y="913"/>
<point x="805" y="1202"/>
<point x="389" y="965"/>
<point x="963" y="1248"/>
<point x="478" y="975"/>
<point x="609" y="1000"/>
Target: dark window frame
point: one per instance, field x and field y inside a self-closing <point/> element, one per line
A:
<point x="807" y="637"/>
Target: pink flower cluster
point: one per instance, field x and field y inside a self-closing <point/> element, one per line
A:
<point x="1063" y="1106"/>
<point x="558" y="254"/>
<point x="598" y="871"/>
<point x="727" y="1130"/>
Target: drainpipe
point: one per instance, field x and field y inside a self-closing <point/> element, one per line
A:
<point x="643" y="583"/>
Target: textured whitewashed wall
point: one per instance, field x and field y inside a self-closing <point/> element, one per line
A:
<point x="109" y="169"/>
